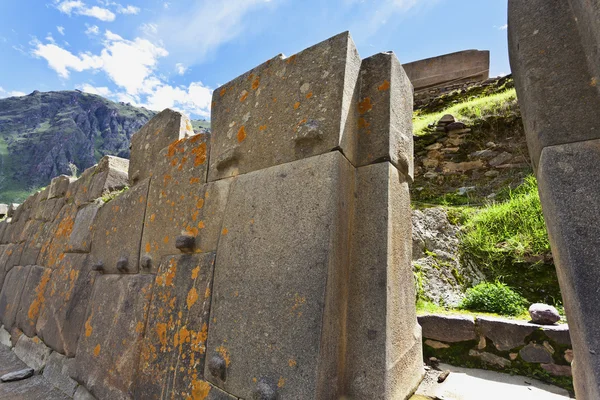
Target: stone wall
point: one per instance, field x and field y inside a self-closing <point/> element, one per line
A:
<point x="448" y="69"/>
<point x="269" y="261"/>
<point x="553" y="50"/>
<point x="538" y="351"/>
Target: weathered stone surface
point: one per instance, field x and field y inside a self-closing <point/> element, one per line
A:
<point x="568" y="190"/>
<point x="33" y="388"/>
<point x="288" y="223"/>
<point x="9" y="362"/>
<point x="49" y="209"/>
<point x="506" y="334"/>
<point x="436" y="345"/>
<point x="17" y="375"/>
<point x="307" y="104"/>
<point x="384" y="126"/>
<point x="55" y="236"/>
<point x="80" y="240"/>
<point x="33" y="242"/>
<point x="173" y="349"/>
<point x="462" y="66"/>
<point x="58" y="370"/>
<point x="448" y="328"/>
<point x="14" y="256"/>
<point x="66" y="301"/>
<point x="58" y="186"/>
<point x="108" y="350"/>
<point x="490" y="358"/>
<point x="549" y="64"/>
<point x="560" y="333"/>
<point x="146" y="144"/>
<point x="534" y="353"/>
<point x="558" y="370"/>
<point x="543" y="314"/>
<point x="5" y="337"/>
<point x="384" y="351"/>
<point x="82" y="394"/>
<point x="109" y="175"/>
<point x="32" y="299"/>
<point x="11" y="295"/>
<point x="117" y="230"/>
<point x="33" y="352"/>
<point x="179" y="203"/>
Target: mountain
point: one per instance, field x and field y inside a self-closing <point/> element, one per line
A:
<point x="45" y="134"/>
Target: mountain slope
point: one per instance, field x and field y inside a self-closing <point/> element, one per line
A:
<point x="42" y="133"/>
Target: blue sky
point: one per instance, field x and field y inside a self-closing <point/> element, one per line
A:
<point x="159" y="54"/>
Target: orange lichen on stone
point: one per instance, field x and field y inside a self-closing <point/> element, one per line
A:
<point x="225" y="354"/>
<point x="34" y="308"/>
<point x="362" y="123"/>
<point x="161" y="331"/>
<point x="97" y="350"/>
<point x="296" y="105"/>
<point x="256" y="83"/>
<point x="166" y="239"/>
<point x="200" y="154"/>
<point x="88" y="326"/>
<point x="309" y="95"/>
<point x="200" y="203"/>
<point x="384" y="86"/>
<point x="225" y="231"/>
<point x="223" y="91"/>
<point x="207" y="293"/>
<point x="292" y="59"/>
<point x="200" y="389"/>
<point x="192" y="297"/>
<point x="139" y="328"/>
<point x="262" y="127"/>
<point x="292" y="363"/>
<point x="281" y="382"/>
<point x="152" y="217"/>
<point x="170" y="273"/>
<point x="148" y="248"/>
<point x="365" y="106"/>
<point x="195" y="272"/>
<point x="241" y="135"/>
<point x="194" y="180"/>
<point x="201" y="225"/>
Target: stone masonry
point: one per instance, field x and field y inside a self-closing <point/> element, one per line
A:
<point x="554" y="58"/>
<point x="271" y="260"/>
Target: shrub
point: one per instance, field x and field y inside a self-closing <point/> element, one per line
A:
<point x="494" y="298"/>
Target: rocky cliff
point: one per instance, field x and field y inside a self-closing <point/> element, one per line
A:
<point x="45" y="134"/>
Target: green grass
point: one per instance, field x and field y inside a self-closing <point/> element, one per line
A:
<point x="495" y="298"/>
<point x="469" y="111"/>
<point x="509" y="243"/>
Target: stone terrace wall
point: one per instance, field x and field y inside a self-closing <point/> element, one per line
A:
<point x="448" y="69"/>
<point x="271" y="261"/>
<point x="538" y="351"/>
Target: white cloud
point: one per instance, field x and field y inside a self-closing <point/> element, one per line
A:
<point x="149" y="29"/>
<point x="61" y="30"/>
<point x="127" y="10"/>
<point x="49" y="38"/>
<point x="78" y="7"/>
<point x="503" y="27"/>
<point x="222" y="21"/>
<point x="180" y="68"/>
<point x="92" y="30"/>
<point x="11" y="93"/>
<point x="131" y="65"/>
<point x="166" y="5"/>
<point x="102" y="91"/>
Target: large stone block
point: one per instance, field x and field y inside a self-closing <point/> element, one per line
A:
<point x="569" y="183"/>
<point x="549" y="64"/>
<point x="286" y="109"/>
<point x="117" y="231"/>
<point x="10" y="296"/>
<point x="384" y="355"/>
<point x="278" y="298"/>
<point x="57" y="371"/>
<point x="174" y="345"/>
<point x="55" y="236"/>
<point x="80" y="240"/>
<point x="33" y="242"/>
<point x="506" y="334"/>
<point x="32" y="299"/>
<point x="448" y="328"/>
<point x="109" y="348"/>
<point x="179" y="203"/>
<point x="440" y="71"/>
<point x="32" y="388"/>
<point x="384" y="125"/>
<point x="66" y="300"/>
<point x="58" y="186"/>
<point x="165" y="128"/>
<point x="33" y="352"/>
<point x="109" y="175"/>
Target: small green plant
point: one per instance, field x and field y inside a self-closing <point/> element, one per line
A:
<point x="494" y="298"/>
<point x="107" y="197"/>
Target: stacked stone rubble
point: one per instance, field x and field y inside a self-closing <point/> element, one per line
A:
<point x="271" y="260"/>
<point x="554" y="58"/>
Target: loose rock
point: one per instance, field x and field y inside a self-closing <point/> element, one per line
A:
<point x="543" y="314"/>
<point x="17" y="375"/>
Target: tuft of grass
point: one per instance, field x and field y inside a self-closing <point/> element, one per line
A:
<point x="468" y="111"/>
<point x="494" y="298"/>
<point x="508" y="241"/>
